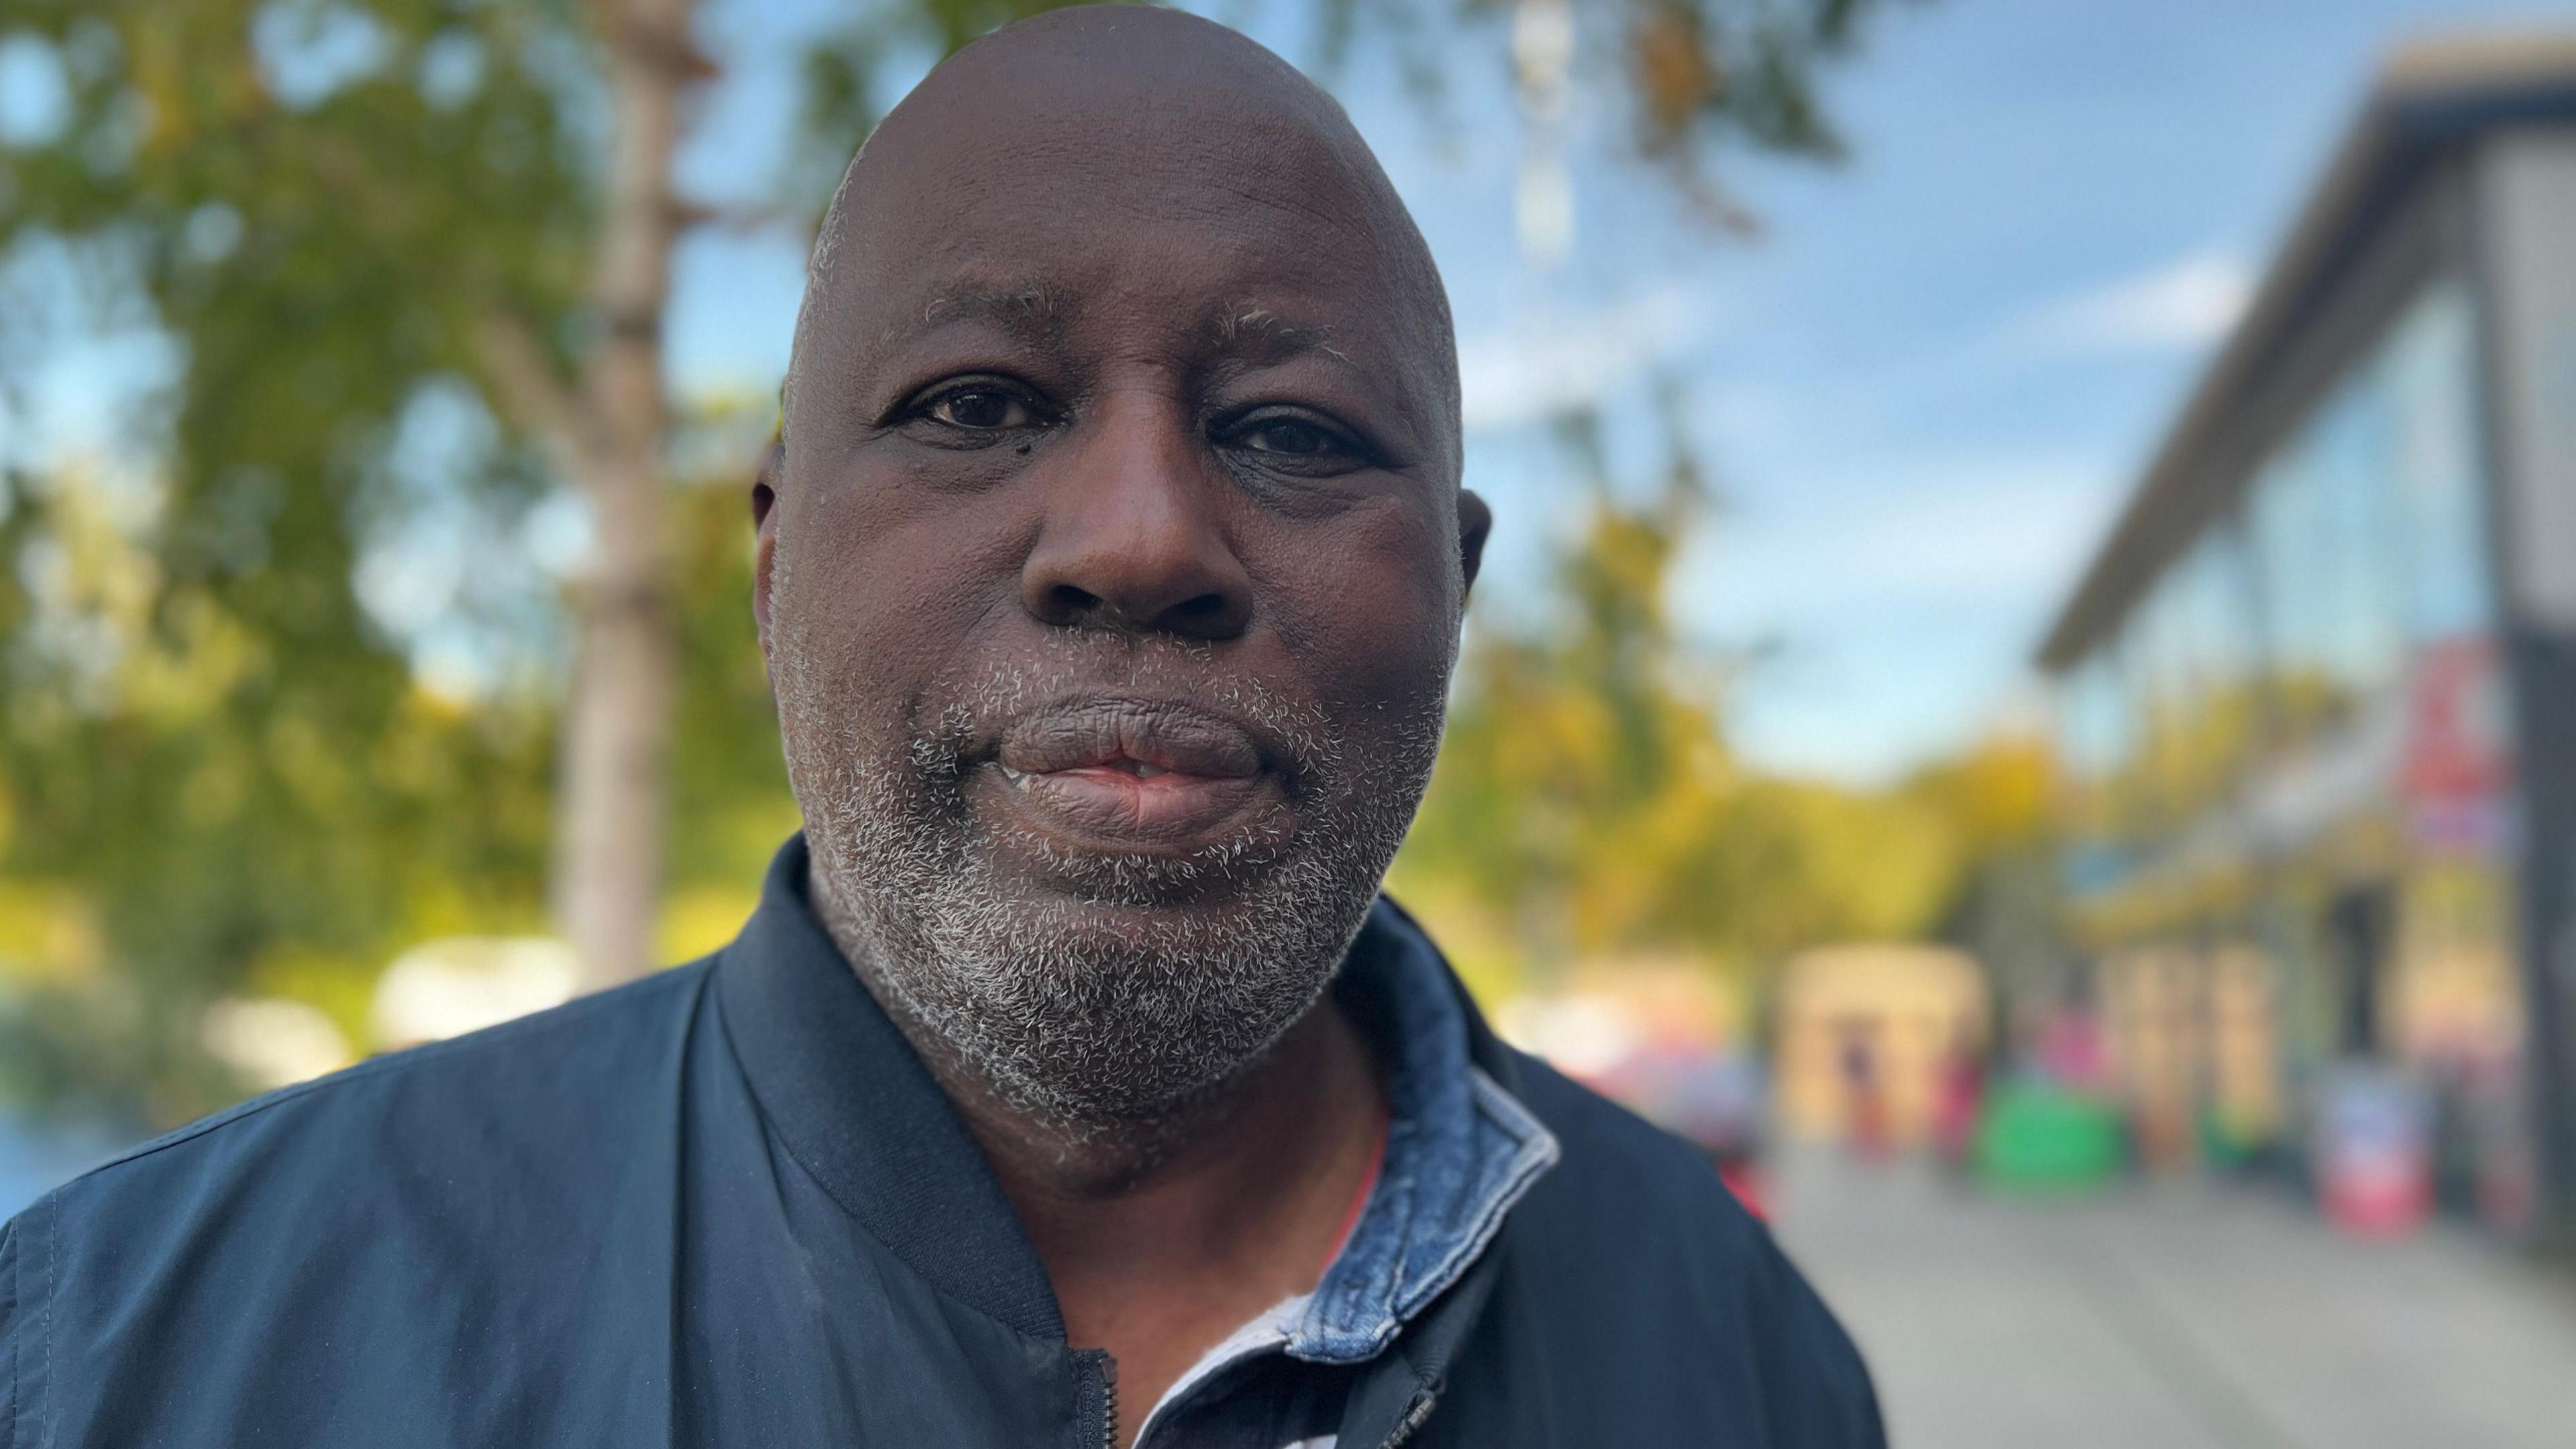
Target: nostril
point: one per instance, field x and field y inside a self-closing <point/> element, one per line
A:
<point x="1212" y="615"/>
<point x="1066" y="603"/>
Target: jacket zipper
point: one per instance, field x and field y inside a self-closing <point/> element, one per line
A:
<point x="1108" y="1399"/>
<point x="1415" y="1411"/>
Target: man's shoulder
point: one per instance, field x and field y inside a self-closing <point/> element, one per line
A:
<point x="1621" y="1173"/>
<point x="1641" y="1262"/>
<point x="461" y="1208"/>
<point x="515" y="1097"/>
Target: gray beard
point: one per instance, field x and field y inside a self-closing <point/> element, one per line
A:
<point x="1055" y="1000"/>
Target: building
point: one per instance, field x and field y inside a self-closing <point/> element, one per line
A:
<point x="2316" y="692"/>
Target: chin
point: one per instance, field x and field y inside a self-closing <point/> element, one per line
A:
<point x="1224" y="923"/>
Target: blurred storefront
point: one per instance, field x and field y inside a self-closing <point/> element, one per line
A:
<point x="2316" y="693"/>
<point x="1864" y="1033"/>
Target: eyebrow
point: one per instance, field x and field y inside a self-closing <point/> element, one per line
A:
<point x="1039" y="314"/>
<point x="1261" y="331"/>
<point x="1034" y="314"/>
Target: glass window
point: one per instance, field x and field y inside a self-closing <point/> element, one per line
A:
<point x="2094" y="737"/>
<point x="2353" y="445"/>
<point x="2428" y="372"/>
<point x="2287" y="519"/>
<point x="2094" y="721"/>
<point x="2218" y="626"/>
<point x="2368" y="526"/>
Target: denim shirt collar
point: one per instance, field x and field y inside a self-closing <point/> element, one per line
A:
<point x="1460" y="1150"/>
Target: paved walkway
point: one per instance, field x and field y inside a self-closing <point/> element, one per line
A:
<point x="2175" y="1317"/>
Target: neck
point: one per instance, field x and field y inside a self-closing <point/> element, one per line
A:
<point x="1276" y="1122"/>
<point x="1161" y="1237"/>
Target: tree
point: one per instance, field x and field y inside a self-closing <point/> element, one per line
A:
<point x="1587" y="799"/>
<point x="361" y="232"/>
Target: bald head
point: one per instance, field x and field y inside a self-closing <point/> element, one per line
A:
<point x="1139" y="131"/>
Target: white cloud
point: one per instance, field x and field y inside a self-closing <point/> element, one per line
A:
<point x="1542" y="366"/>
<point x="2188" y="302"/>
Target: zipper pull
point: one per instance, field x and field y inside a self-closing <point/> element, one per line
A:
<point x="1416" y="1409"/>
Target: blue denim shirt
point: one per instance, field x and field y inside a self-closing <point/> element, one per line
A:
<point x="1460" y="1151"/>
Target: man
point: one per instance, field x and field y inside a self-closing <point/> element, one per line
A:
<point x="1071" y="1085"/>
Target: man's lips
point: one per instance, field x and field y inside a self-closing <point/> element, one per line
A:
<point x="1131" y="736"/>
<point x="1135" y="774"/>
<point x="1119" y="805"/>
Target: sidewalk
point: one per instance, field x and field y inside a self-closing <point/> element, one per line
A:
<point x="2175" y="1317"/>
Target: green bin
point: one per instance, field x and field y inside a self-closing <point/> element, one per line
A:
<point x="2042" y="1139"/>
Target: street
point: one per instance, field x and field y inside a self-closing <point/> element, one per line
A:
<point x="2175" y="1316"/>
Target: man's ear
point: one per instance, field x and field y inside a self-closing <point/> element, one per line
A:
<point x="1475" y="521"/>
<point x="764" y="522"/>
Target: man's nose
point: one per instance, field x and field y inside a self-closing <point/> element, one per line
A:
<point x="1132" y="540"/>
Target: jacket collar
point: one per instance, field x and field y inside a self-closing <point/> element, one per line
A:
<point x="854" y="1105"/>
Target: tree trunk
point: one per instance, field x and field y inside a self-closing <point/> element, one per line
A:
<point x="611" y="796"/>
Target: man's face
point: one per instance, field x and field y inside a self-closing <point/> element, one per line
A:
<point x="1118" y="564"/>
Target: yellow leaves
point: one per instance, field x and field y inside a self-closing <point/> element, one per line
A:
<point x="337" y="984"/>
<point x="90" y="574"/>
<point x="1883" y="864"/>
<point x="1676" y="74"/>
<point x="698" y="919"/>
<point x="159" y="74"/>
<point x="199" y="655"/>
<point x="301" y="755"/>
<point x="101" y="616"/>
<point x="49" y="934"/>
<point x="190" y="71"/>
<point x="216" y="788"/>
<point x="1587" y="805"/>
<point x="2001" y="793"/>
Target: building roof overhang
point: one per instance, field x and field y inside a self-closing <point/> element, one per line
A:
<point x="2431" y="98"/>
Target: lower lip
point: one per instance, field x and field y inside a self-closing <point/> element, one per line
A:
<point x="1114" y="808"/>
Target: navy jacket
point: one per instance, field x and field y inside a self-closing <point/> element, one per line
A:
<point x="726" y="1205"/>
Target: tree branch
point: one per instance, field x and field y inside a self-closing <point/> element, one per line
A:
<point x="532" y="395"/>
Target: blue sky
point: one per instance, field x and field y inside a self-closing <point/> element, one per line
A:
<point x="1923" y="388"/>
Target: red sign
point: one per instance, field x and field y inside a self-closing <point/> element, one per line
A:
<point x="2458" y="761"/>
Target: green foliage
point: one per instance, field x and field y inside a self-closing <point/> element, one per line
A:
<point x="1587" y="805"/>
<point x="210" y="745"/>
<point x="197" y="805"/>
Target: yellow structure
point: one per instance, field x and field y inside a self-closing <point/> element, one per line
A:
<point x="1898" y="1009"/>
<point x="2193" y="1044"/>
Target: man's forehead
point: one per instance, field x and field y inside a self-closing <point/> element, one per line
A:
<point x="1066" y="213"/>
<point x="1171" y="180"/>
<point x="1041" y="312"/>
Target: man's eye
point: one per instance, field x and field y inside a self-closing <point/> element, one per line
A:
<point x="981" y="409"/>
<point x="1294" y="438"/>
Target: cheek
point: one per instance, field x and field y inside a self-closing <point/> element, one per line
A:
<point x="1368" y="606"/>
<point x="884" y="586"/>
